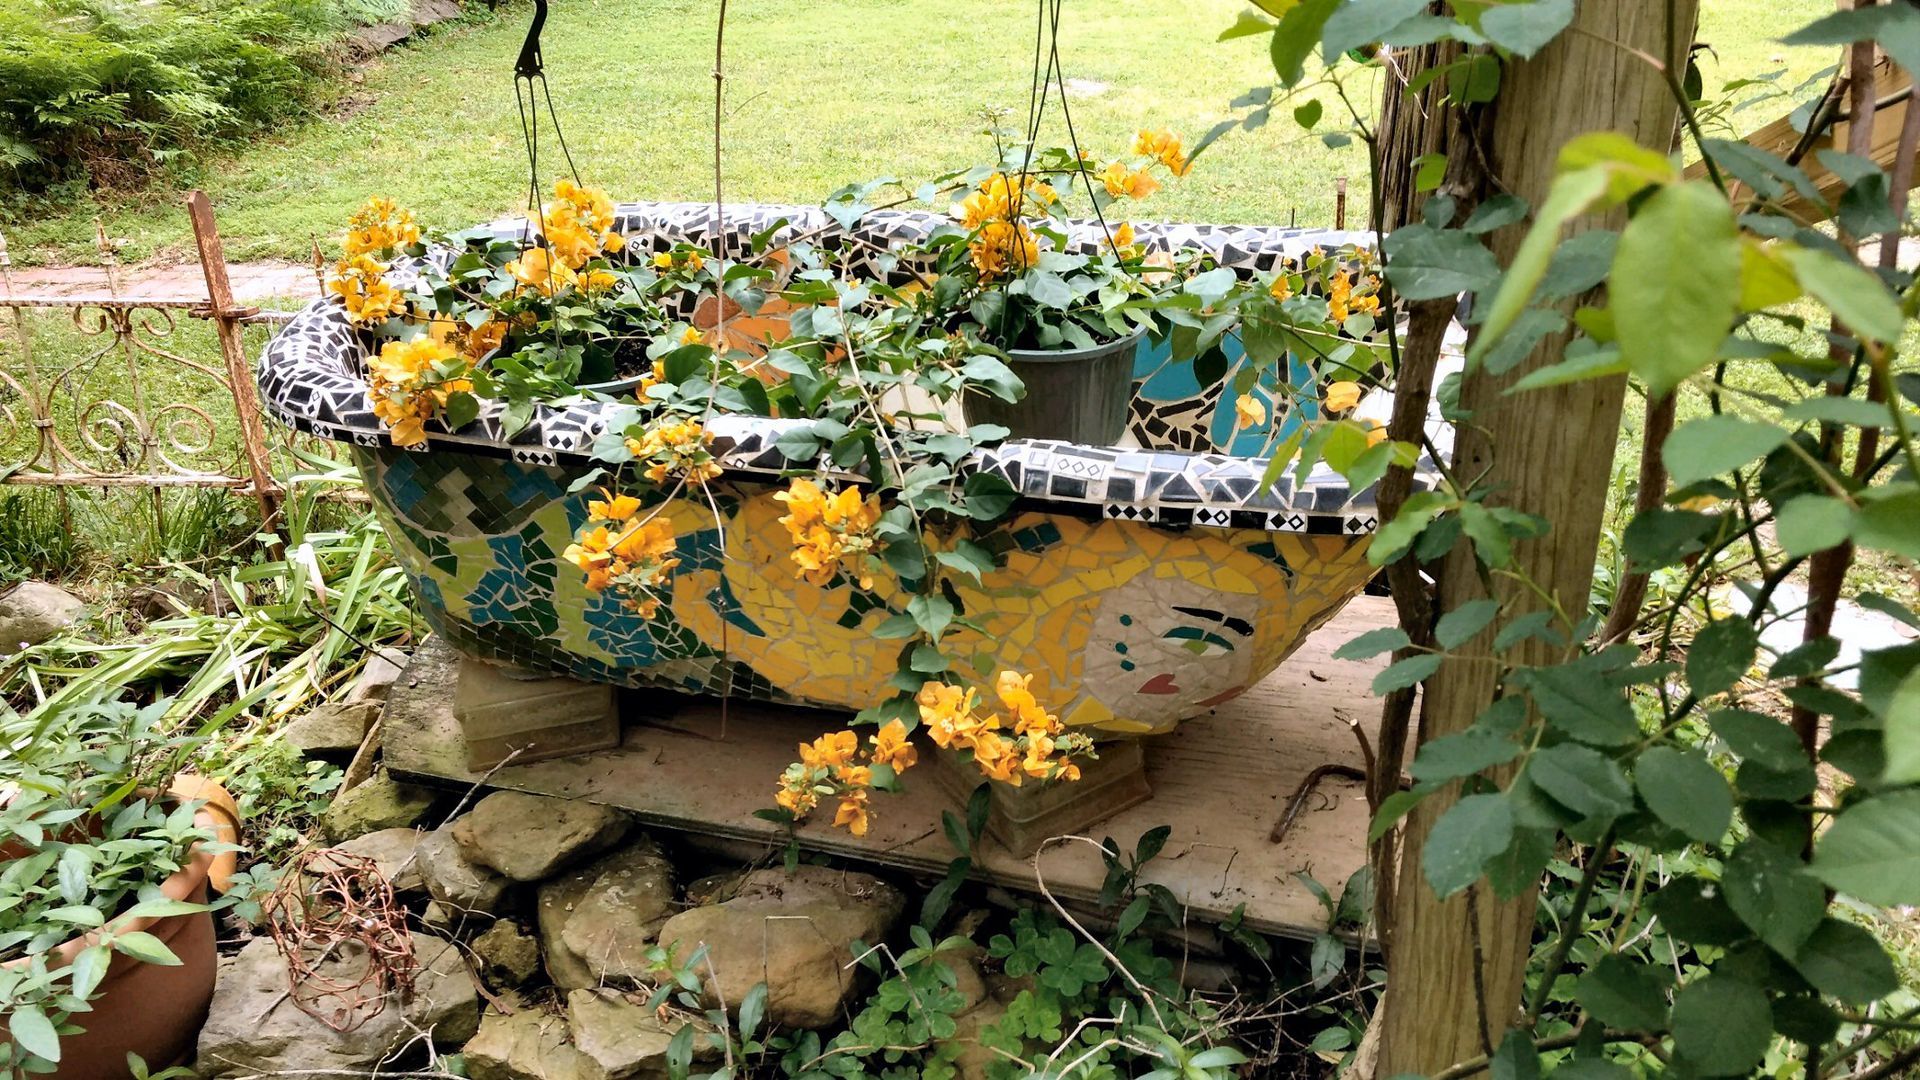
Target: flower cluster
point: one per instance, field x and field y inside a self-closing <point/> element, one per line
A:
<point x="578" y="224"/>
<point x="997" y="212"/>
<point x="830" y="532"/>
<point x="1344" y="300"/>
<point x="835" y="765"/>
<point x="675" y="447"/>
<point x="360" y="282"/>
<point x="375" y="233"/>
<point x="410" y="382"/>
<point x="618" y="550"/>
<point x="1163" y="146"/>
<point x="1028" y="741"/>
<point x="380" y="226"/>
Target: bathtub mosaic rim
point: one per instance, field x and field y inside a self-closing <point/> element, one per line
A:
<point x="309" y="378"/>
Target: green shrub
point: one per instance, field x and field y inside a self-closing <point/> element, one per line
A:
<point x="104" y="91"/>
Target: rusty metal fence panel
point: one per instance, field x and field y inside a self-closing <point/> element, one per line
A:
<point x="107" y="390"/>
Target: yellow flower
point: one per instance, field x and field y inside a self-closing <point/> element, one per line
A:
<point x="798" y="800"/>
<point x="1123" y="238"/>
<point x="1376" y="433"/>
<point x="1340" y="396"/>
<point x="1282" y="286"/>
<point x="891" y="747"/>
<point x="830" y="533"/>
<point x="853" y="812"/>
<point x="380" y="225"/>
<point x="830" y="750"/>
<point x="1698" y="502"/>
<point x="1001" y="246"/>
<point x="538" y="269"/>
<point x="675" y="447"/>
<point x="997" y="759"/>
<point x="410" y="382"/>
<point x="615" y="508"/>
<point x="1247" y="411"/>
<point x="636" y="561"/>
<point x="360" y="283"/>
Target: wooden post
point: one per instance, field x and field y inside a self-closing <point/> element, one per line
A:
<point x="226" y="320"/>
<point x="1454" y="981"/>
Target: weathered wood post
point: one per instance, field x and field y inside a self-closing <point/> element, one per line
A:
<point x="1453" y="987"/>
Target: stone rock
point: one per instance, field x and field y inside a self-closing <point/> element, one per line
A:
<point x="438" y="917"/>
<point x="381" y="802"/>
<point x="254" y="1029"/>
<point x="528" y="1045"/>
<point x="622" y="1039"/>
<point x="455" y="882"/>
<point x="508" y="956"/>
<point x="531" y="837"/>
<point x="377" y="676"/>
<point x="714" y="887"/>
<point x="33" y="611"/>
<point x="618" y="916"/>
<point x="964" y="962"/>
<point x="792" y="931"/>
<point x="181" y="595"/>
<point x="332" y="732"/>
<point x="964" y="1050"/>
<point x="625" y="913"/>
<point x="392" y="852"/>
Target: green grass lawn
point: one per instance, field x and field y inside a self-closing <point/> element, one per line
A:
<point x="818" y="95"/>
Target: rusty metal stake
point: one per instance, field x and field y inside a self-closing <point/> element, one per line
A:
<point x="226" y="318"/>
<point x="1340" y="203"/>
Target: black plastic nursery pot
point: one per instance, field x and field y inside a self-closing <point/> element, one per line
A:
<point x="1074" y="395"/>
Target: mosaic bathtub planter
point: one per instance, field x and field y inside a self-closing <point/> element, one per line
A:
<point x="1140" y="586"/>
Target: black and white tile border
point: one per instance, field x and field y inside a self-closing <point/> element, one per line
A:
<point x="312" y="378"/>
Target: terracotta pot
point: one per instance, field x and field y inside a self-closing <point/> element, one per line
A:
<point x="144" y="1008"/>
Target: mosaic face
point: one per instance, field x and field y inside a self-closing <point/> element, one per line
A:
<point x="1169" y="645"/>
<point x="1127" y="627"/>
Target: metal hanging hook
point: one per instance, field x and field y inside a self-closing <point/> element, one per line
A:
<point x="530" y="63"/>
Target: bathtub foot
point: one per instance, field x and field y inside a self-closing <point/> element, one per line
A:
<point x="504" y="711"/>
<point x="1023" y="818"/>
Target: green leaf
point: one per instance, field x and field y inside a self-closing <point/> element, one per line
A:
<point x="1247" y="24"/>
<point x="1855" y="294"/>
<point x="988" y="495"/>
<point x="1582" y="779"/>
<point x="1846" y="961"/>
<point x="1362" y="22"/>
<point x="1872" y="851"/>
<point x="1624" y="993"/>
<point x="1675" y="284"/>
<point x="1471" y="832"/>
<point x="1402" y="674"/>
<point x="1497" y="212"/>
<point x="144" y="947"/>
<point x="1662" y="537"/>
<point x="1712" y="445"/>
<point x="1463" y="753"/>
<point x="1902" y="731"/>
<point x="1695" y="911"/>
<point x="1525" y="28"/>
<point x="1309" y="113"/>
<point x="88" y="969"/>
<point x="1516" y="1059"/>
<point x="1721" y="654"/>
<point x="927" y="660"/>
<point x="1885" y="522"/>
<point x="1773" y="895"/>
<point x="1392" y="809"/>
<point x="1383" y="639"/>
<point x="1759" y="739"/>
<point x="1425" y="263"/>
<point x="34" y="1032"/>
<point x="1294" y="39"/>
<point x="1683" y="789"/>
<point x="1809" y="523"/>
<point x="1568" y="699"/>
<point x="1721" y="1026"/>
<point x="1456" y="627"/>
